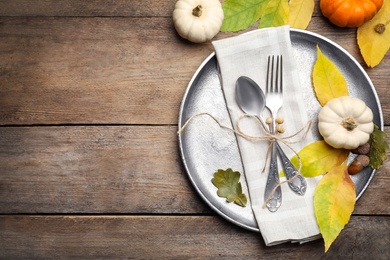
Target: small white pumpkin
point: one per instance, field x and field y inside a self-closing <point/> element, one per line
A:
<point x="198" y="20"/>
<point x="345" y="122"/>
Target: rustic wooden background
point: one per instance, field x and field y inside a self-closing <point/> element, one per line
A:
<point x="89" y="163"/>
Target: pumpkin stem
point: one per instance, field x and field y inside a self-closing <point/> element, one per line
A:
<point x="197" y="11"/>
<point x="349" y="124"/>
<point x="381" y="27"/>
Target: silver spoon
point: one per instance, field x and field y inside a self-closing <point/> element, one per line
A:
<point x="251" y="100"/>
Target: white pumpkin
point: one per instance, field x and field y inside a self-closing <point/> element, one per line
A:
<point x="345" y="122"/>
<point x="198" y="20"/>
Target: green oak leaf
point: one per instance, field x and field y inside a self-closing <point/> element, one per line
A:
<point x="229" y="187"/>
<point x="378" y="148"/>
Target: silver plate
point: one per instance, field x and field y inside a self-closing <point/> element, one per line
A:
<point x="205" y="147"/>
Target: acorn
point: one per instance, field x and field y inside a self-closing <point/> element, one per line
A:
<point x="358" y="164"/>
<point x="363" y="149"/>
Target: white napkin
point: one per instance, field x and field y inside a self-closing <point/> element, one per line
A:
<point x="246" y="55"/>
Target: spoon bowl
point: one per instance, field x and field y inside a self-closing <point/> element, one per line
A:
<point x="250" y="97"/>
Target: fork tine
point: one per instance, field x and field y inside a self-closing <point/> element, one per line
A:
<point x="277" y="75"/>
<point x="272" y="74"/>
<point x="280" y="75"/>
<point x="267" y="84"/>
<point x="278" y="88"/>
<point x="274" y="83"/>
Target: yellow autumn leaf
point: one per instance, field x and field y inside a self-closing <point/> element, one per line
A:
<point x="301" y="12"/>
<point x="318" y="158"/>
<point x="328" y="81"/>
<point x="334" y="202"/>
<point x="275" y="13"/>
<point x="374" y="46"/>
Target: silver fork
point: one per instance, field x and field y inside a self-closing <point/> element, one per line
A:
<point x="274" y="88"/>
<point x="274" y="101"/>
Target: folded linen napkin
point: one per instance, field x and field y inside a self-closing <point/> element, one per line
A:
<point x="246" y="55"/>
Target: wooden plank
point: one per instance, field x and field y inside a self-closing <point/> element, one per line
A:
<point x="95" y="8"/>
<point x="87" y="8"/>
<point x="112" y="70"/>
<point x="376" y="197"/>
<point x="93" y="170"/>
<point x="174" y="237"/>
<point x="93" y="71"/>
<point x="112" y="169"/>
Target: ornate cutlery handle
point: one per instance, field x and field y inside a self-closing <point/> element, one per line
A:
<point x="272" y="181"/>
<point x="298" y="184"/>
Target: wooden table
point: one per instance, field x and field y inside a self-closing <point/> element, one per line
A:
<point x="89" y="161"/>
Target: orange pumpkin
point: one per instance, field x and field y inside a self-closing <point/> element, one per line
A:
<point x="350" y="13"/>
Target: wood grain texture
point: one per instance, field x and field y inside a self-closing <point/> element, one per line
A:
<point x="112" y="169"/>
<point x="93" y="170"/>
<point x="89" y="160"/>
<point x="113" y="71"/>
<point x="72" y="8"/>
<point x="174" y="237"/>
<point x="97" y="70"/>
<point x="91" y="8"/>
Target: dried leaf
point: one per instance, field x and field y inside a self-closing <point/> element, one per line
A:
<point x="318" y="158"/>
<point x="328" y="81"/>
<point x="275" y="13"/>
<point x="374" y="46"/>
<point x="240" y="14"/>
<point x="301" y="12"/>
<point x="229" y="186"/>
<point x="378" y="148"/>
<point x="334" y="202"/>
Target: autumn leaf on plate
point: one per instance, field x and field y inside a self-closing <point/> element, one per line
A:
<point x="275" y="13"/>
<point x="301" y="12"/>
<point x="328" y="81"/>
<point x="374" y="46"/>
<point x="334" y="202"/>
<point x="229" y="186"/>
<point x="240" y="14"/>
<point x="318" y="158"/>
